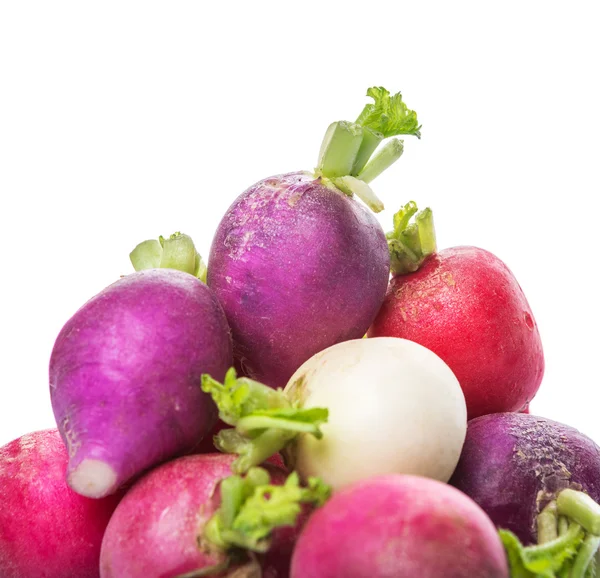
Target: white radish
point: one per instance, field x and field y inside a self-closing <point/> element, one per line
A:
<point x="394" y="407"/>
<point x="357" y="409"/>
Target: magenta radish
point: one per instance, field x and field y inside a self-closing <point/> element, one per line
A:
<point x="46" y="529"/>
<point x="401" y="527"/>
<point x="297" y="263"/>
<point x="359" y="408"/>
<point x="125" y="376"/>
<point x="514" y="464"/>
<point x="190" y="514"/>
<point x="464" y="304"/>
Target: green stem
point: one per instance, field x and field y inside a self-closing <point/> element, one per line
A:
<point x="353" y="186"/>
<point x="265" y="420"/>
<point x="252" y="451"/>
<point x="175" y="252"/>
<point x="585" y="556"/>
<point x="556" y="545"/>
<point x="382" y="160"/>
<point x="579" y="507"/>
<point x="547" y="524"/>
<point x="339" y="149"/>
<point x="370" y="142"/>
<point x="411" y="243"/>
<point x="563" y="525"/>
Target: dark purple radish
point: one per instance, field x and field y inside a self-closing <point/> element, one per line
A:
<point x="514" y="464"/>
<point x="190" y="517"/>
<point x="297" y="263"/>
<point x="125" y="376"/>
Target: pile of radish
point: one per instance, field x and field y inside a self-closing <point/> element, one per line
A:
<point x="320" y="400"/>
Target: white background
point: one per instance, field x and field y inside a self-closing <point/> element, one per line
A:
<point x="120" y="121"/>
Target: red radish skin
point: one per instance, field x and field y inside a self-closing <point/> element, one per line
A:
<point x="297" y="267"/>
<point x="465" y="305"/>
<point x="125" y="376"/>
<point x="154" y="531"/>
<point x="46" y="529"/>
<point x="399" y="526"/>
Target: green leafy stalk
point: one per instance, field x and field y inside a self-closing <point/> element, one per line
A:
<point x="547" y="524"/>
<point x="251" y="508"/>
<point x="541" y="561"/>
<point x="383" y="159"/>
<point x="353" y="186"/>
<point x="370" y="141"/>
<point x="568" y="540"/>
<point x="348" y="159"/>
<point x="410" y="243"/>
<point x="339" y="149"/>
<point x="580" y="507"/>
<point x="265" y="420"/>
<point x="585" y="557"/>
<point x="175" y="252"/>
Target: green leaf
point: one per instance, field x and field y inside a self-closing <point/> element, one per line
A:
<point x="252" y="507"/>
<point x="388" y="115"/>
<point x="239" y="397"/>
<point x="544" y="560"/>
<point x="265" y="420"/>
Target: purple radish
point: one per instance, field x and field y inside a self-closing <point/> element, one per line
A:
<point x="125" y="376"/>
<point x="514" y="464"/>
<point x="297" y="263"/>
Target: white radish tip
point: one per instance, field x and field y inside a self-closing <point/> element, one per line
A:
<point x="93" y="479"/>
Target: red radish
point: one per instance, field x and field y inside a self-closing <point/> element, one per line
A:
<point x="399" y="526"/>
<point x="125" y="376"/>
<point x="46" y="529"/>
<point x="464" y="304"/>
<point x="165" y="525"/>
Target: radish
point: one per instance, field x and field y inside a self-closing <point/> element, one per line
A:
<point x="297" y="263"/>
<point x="401" y="527"/>
<point x="125" y="376"/>
<point x="184" y="519"/>
<point x="464" y="304"/>
<point x="46" y="529"/>
<point x="357" y="409"/>
<point x="514" y="464"/>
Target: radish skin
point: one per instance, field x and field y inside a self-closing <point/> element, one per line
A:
<point x="464" y="304"/>
<point x="125" y="376"/>
<point x="46" y="529"/>
<point x="399" y="527"/>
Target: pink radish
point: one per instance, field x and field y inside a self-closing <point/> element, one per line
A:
<point x="46" y="529"/>
<point x="398" y="526"/>
<point x="165" y="526"/>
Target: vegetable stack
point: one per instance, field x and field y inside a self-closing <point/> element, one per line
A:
<point x="322" y="400"/>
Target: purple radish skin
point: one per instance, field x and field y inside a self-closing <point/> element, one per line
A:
<point x="125" y="376"/>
